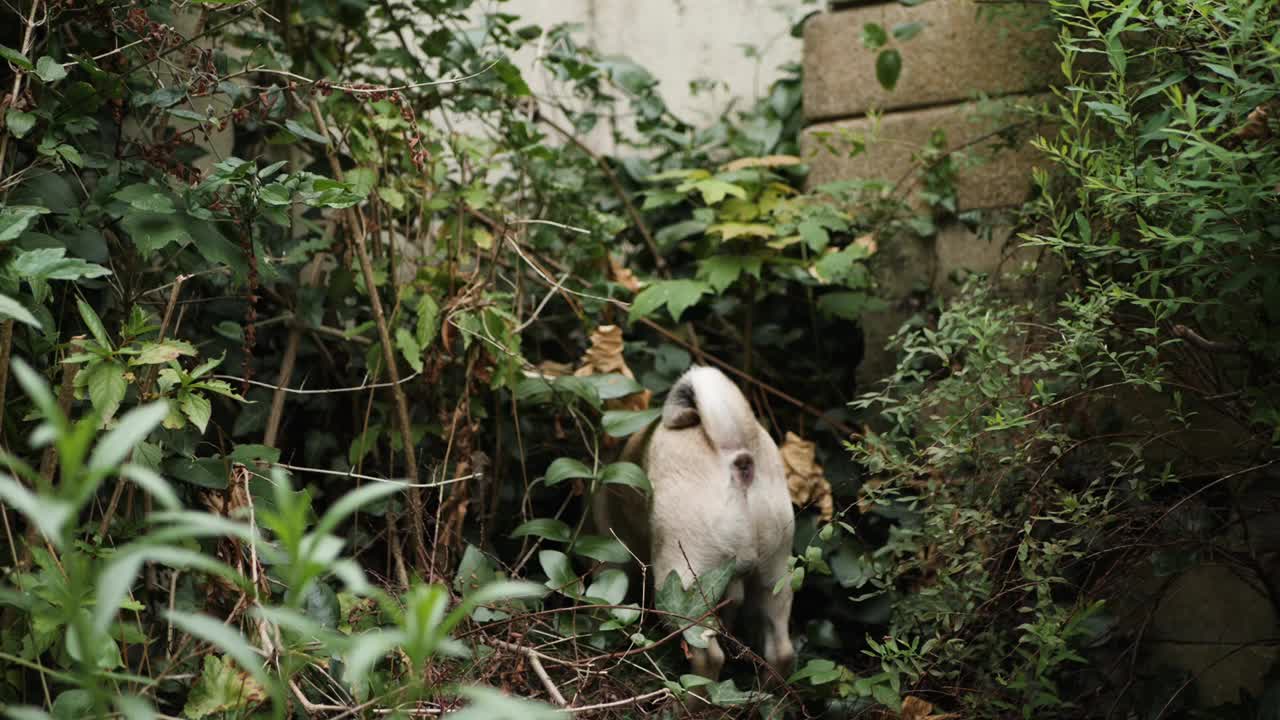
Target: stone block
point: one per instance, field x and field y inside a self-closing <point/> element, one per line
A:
<point x="993" y="167"/>
<point x="1217" y="627"/>
<point x="960" y="52"/>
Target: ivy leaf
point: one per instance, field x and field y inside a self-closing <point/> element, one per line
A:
<point x="11" y="308"/>
<point x="625" y="473"/>
<point x="19" y="123"/>
<point x="562" y="469"/>
<point x="197" y="409"/>
<point x="621" y="423"/>
<point x="16" y="58"/>
<point x="50" y="70"/>
<point x="610" y="586"/>
<point x="702" y="595"/>
<point x="604" y="549"/>
<point x="888" y="68"/>
<point x="548" y="528"/>
<point x="677" y="295"/>
<point x="721" y="271"/>
<point x="222" y="689"/>
<point x="559" y="572"/>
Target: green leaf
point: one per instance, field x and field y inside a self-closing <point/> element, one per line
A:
<point x="713" y="190"/>
<point x="704" y="593"/>
<point x="222" y="636"/>
<point x="11" y="308"/>
<point x="155" y="486"/>
<point x="888" y="68"/>
<point x="146" y="197"/>
<point x="352" y="501"/>
<point x="611" y="386"/>
<point x="19" y="123"/>
<point x="847" y="305"/>
<point x="729" y="231"/>
<point x="197" y="408"/>
<point x="15" y="219"/>
<point x="721" y="271"/>
<point x="106" y="388"/>
<point x="153" y="231"/>
<point x="222" y="689"/>
<point x="48" y="514"/>
<point x="548" y="528"/>
<point x="610" y="586"/>
<point x="158" y="353"/>
<point x="50" y="70"/>
<point x="16" y="58"/>
<point x="672" y="234"/>
<point x="813" y="234"/>
<point x="559" y="572"/>
<point x="133" y="427"/>
<point x="363" y="443"/>
<point x="874" y="36"/>
<point x="621" y="423"/>
<point x="305" y="132"/>
<point x="408" y="346"/>
<point x="625" y="473"/>
<point x="94" y="323"/>
<point x="677" y="295"/>
<point x="907" y="30"/>
<point x="428" y="321"/>
<point x="562" y="469"/>
<point x="604" y="549"/>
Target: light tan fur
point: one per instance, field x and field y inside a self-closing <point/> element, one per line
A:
<point x="701" y="514"/>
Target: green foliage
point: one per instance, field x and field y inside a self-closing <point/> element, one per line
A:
<point x="1028" y="453"/>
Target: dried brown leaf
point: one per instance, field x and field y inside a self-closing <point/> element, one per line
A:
<point x="623" y="275"/>
<point x="605" y="356"/>
<point x="805" y="479"/>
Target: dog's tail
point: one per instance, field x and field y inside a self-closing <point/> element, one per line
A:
<point x="705" y="396"/>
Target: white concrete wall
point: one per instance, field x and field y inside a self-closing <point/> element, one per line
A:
<point x="679" y="41"/>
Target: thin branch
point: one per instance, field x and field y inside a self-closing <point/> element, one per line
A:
<point x="536" y="663"/>
<point x="325" y="391"/>
<point x="619" y="703"/>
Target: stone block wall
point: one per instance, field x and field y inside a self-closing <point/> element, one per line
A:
<point x="962" y="75"/>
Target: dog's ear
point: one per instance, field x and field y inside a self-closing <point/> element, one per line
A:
<point x="680" y="419"/>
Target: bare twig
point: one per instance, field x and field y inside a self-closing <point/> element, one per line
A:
<point x="418" y="528"/>
<point x="323" y="391"/>
<point x="535" y="661"/>
<point x="1199" y="341"/>
<point x="656" y="694"/>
